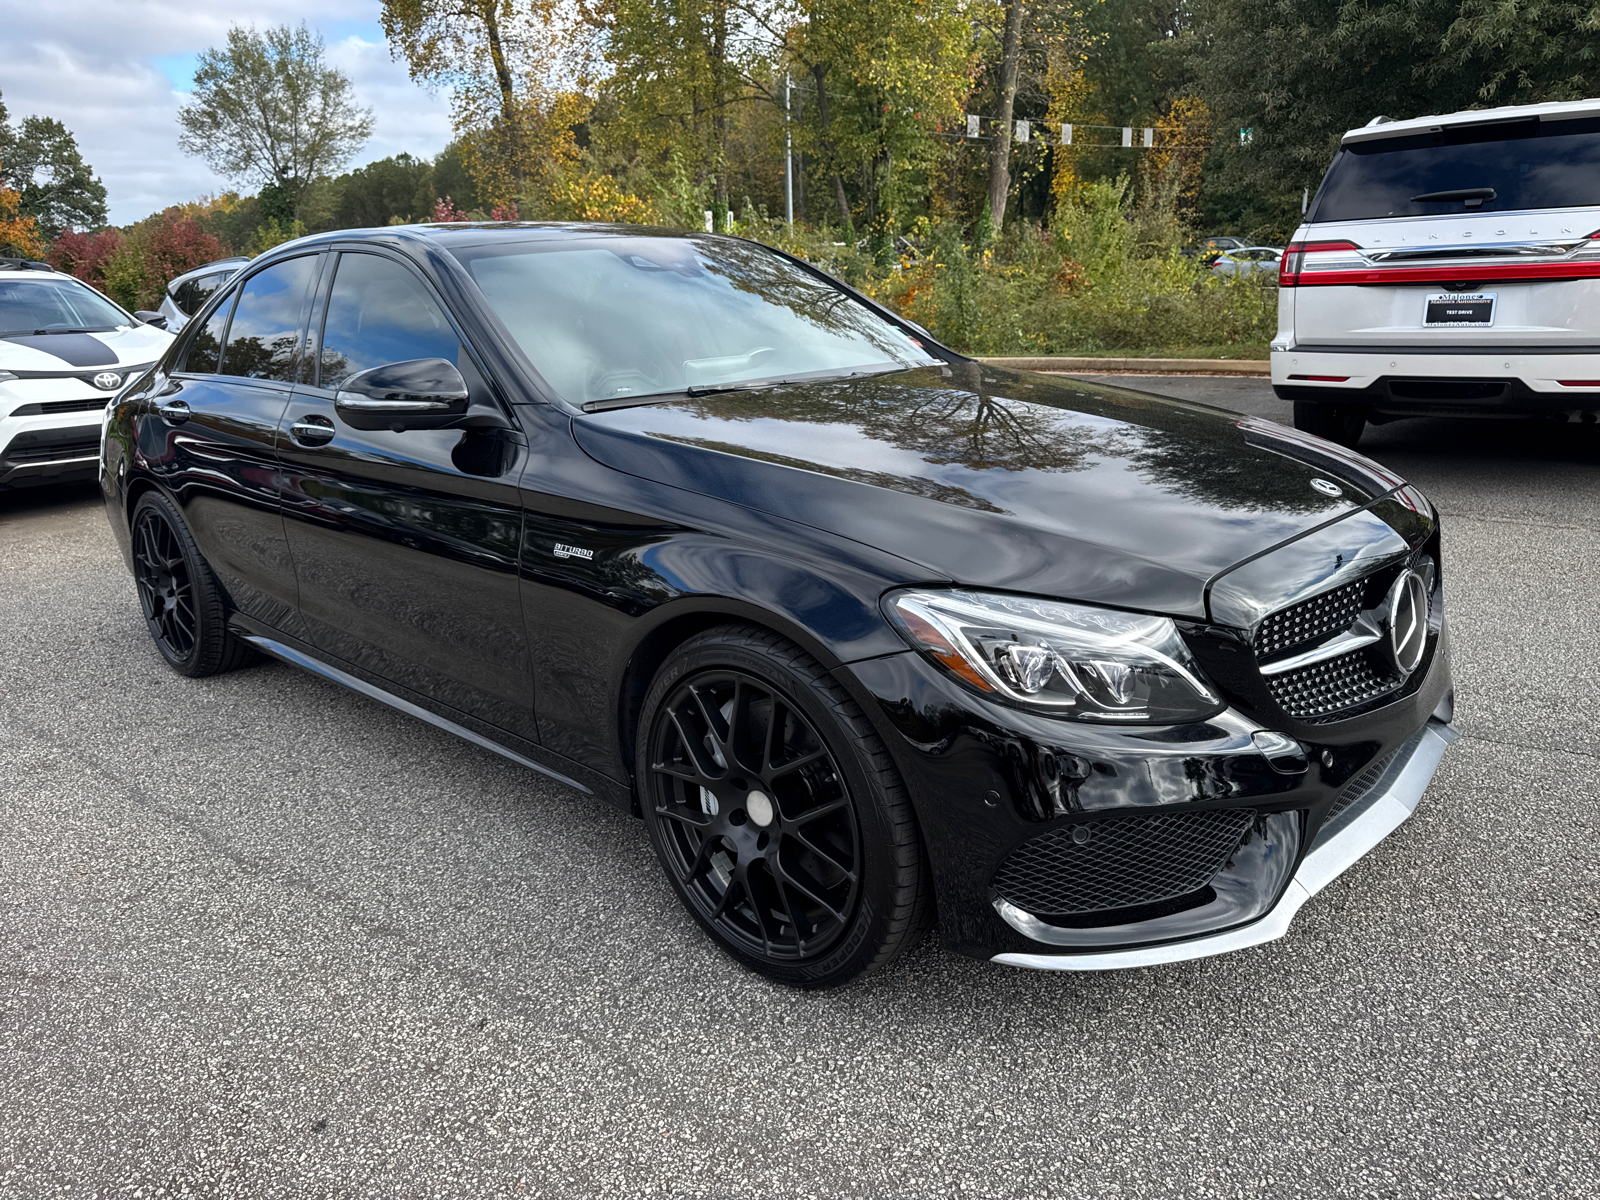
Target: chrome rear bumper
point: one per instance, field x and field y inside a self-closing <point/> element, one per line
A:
<point x="1337" y="847"/>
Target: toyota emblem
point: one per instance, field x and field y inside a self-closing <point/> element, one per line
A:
<point x="108" y="381"/>
<point x="1327" y="487"/>
<point x="1406" y="622"/>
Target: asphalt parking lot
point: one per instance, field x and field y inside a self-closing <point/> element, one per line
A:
<point x="262" y="937"/>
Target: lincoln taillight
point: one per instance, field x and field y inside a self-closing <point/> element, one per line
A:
<point x="1293" y="260"/>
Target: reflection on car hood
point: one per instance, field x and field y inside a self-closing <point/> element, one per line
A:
<point x="1004" y="479"/>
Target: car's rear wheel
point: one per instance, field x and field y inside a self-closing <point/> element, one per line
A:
<point x="183" y="605"/>
<point x="1341" y="423"/>
<point x="777" y="812"/>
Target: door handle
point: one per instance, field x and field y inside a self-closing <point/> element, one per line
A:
<point x="312" y="431"/>
<point x="174" y="412"/>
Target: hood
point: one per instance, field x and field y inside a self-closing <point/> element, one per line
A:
<point x="76" y="353"/>
<point x="1004" y="479"/>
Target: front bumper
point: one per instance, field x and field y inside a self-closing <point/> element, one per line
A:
<point x="1337" y="847"/>
<point x="50" y="433"/>
<point x="995" y="787"/>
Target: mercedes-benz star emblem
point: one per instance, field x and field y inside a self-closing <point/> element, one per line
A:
<point x="1327" y="487"/>
<point x="108" y="381"/>
<point x="1406" y="622"/>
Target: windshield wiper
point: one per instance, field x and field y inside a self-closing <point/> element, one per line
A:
<point x="747" y="385"/>
<point x="713" y="389"/>
<point x="69" y="329"/>
<point x="1473" y="196"/>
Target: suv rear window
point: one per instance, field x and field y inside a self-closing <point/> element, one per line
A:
<point x="1529" y="164"/>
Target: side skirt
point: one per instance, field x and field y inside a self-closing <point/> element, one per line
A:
<point x="605" y="787"/>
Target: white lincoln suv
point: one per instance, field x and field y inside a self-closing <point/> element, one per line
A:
<point x="65" y="351"/>
<point x="1448" y="266"/>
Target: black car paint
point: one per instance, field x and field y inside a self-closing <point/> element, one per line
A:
<point x="399" y="551"/>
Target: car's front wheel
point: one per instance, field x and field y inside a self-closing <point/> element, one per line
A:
<point x="182" y="602"/>
<point x="777" y="812"/>
<point x="1341" y="423"/>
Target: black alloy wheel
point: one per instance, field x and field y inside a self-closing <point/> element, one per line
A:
<point x="773" y="820"/>
<point x="182" y="603"/>
<point x="1340" y="423"/>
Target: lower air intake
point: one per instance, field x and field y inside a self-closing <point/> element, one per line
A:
<point x="1120" y="862"/>
<point x="1360" y="786"/>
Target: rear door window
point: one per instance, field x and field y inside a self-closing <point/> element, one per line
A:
<point x="1499" y="166"/>
<point x="191" y="296"/>
<point x="264" y="338"/>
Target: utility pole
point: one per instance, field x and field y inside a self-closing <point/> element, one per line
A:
<point x="788" y="157"/>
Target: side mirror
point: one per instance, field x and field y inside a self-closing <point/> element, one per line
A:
<point x="145" y="317"/>
<point x="420" y="393"/>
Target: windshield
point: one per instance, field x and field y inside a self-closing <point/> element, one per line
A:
<point x="612" y="317"/>
<point x="57" y="305"/>
<point x="1493" y="167"/>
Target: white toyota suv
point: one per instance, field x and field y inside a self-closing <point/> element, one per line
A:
<point x="1448" y="266"/>
<point x="65" y="351"/>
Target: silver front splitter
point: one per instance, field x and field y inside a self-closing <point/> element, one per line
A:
<point x="1328" y="858"/>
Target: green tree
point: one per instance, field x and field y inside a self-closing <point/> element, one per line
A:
<point x="39" y="160"/>
<point x="887" y="79"/>
<point x="678" y="68"/>
<point x="267" y="108"/>
<point x="382" y="190"/>
<point x="1531" y="50"/>
<point x="1299" y="73"/>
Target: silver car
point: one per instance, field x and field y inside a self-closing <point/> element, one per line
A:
<point x="188" y="293"/>
<point x="1248" y="260"/>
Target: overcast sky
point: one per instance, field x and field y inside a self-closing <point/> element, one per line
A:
<point x="115" y="71"/>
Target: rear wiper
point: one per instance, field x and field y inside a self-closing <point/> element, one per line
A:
<point x="1473" y="196"/>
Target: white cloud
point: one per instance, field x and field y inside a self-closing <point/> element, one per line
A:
<point x="97" y="67"/>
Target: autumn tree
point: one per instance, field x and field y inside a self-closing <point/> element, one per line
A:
<point x="678" y="68"/>
<point x="19" y="233"/>
<point x="512" y="70"/>
<point x="268" y="109"/>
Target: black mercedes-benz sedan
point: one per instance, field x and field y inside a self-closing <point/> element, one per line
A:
<point x="865" y="631"/>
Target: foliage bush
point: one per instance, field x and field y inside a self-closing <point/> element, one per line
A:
<point x="1103" y="276"/>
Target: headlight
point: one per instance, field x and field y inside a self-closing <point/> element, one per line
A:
<point x="1070" y="660"/>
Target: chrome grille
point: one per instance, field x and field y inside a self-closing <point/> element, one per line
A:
<point x="1322" y="690"/>
<point x="1311" y="620"/>
<point x="1120" y="862"/>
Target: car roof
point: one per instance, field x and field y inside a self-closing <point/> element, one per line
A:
<point x="1383" y="127"/>
<point x="482" y="233"/>
<point x="236" y="261"/>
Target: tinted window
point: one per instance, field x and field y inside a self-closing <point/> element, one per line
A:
<point x="31" y="304"/>
<point x="1528" y="164"/>
<point x="265" y="335"/>
<point x="205" y="350"/>
<point x="629" y="316"/>
<point x="191" y="296"/>
<point x="379" y="312"/>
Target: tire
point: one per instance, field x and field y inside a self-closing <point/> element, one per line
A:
<point x="1341" y="423"/>
<point x="799" y="854"/>
<point x="182" y="602"/>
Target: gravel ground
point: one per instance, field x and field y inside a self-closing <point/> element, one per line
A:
<point x="262" y="937"/>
